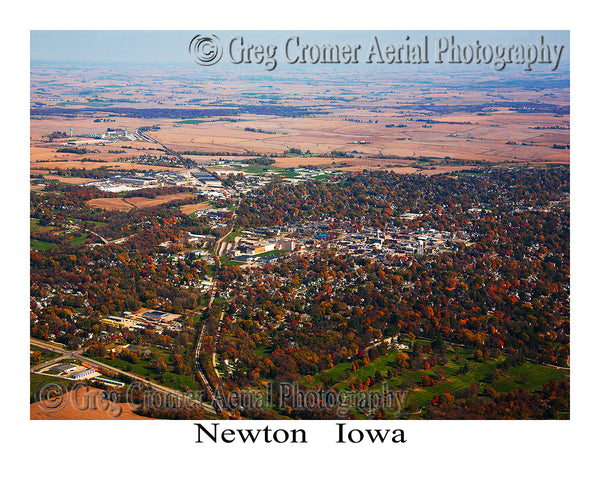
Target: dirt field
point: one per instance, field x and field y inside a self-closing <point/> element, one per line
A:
<point x="71" y="180"/>
<point x="480" y="138"/>
<point x="142" y="202"/>
<point x="367" y="116"/>
<point x="193" y="207"/>
<point x="111" y="204"/>
<point x="124" y="205"/>
<point x="82" y="408"/>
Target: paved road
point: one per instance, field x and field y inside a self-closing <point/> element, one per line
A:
<point x="76" y="354"/>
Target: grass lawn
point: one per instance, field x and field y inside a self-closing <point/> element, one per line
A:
<point x="191" y="122"/>
<point x="79" y="240"/>
<point x="88" y="223"/>
<point x="232" y="235"/>
<point x="271" y="252"/>
<point x="41" y="245"/>
<point x="263" y="169"/>
<point x="264" y="351"/>
<point x="35" y="380"/>
<point x="529" y="376"/>
<point x="227" y="261"/>
<point x="168" y="379"/>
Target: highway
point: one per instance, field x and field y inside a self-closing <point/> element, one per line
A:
<point x="148" y="138"/>
<point x="76" y="354"/>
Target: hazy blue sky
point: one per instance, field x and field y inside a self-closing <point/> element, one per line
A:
<point x="140" y="46"/>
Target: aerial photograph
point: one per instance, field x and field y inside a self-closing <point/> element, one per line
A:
<point x="299" y="225"/>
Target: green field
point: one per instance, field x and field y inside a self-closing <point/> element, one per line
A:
<point x="263" y="169"/>
<point x="36" y="380"/>
<point x="529" y="376"/>
<point x="321" y="176"/>
<point x="232" y="235"/>
<point x="191" y="121"/>
<point x="264" y="350"/>
<point x="271" y="252"/>
<point x="40" y="245"/>
<point x="227" y="261"/>
<point x="168" y="379"/>
<point x="79" y="240"/>
<point x="88" y="223"/>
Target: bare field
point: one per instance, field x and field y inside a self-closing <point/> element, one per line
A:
<point x="142" y="202"/>
<point x="111" y="204"/>
<point x="193" y="207"/>
<point x="496" y="138"/>
<point x="71" y="180"/>
<point x="124" y="205"/>
<point x="42" y="152"/>
<point x="75" y="408"/>
<point x="469" y="117"/>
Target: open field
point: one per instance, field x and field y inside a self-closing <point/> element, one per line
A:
<point x="529" y="376"/>
<point x="193" y="207"/>
<point x="470" y="118"/>
<point x="79" y="406"/>
<point x="143" y="202"/>
<point x="111" y="204"/>
<point x="143" y="368"/>
<point x="126" y="204"/>
<point x="70" y="180"/>
<point x="478" y="141"/>
<point x="45" y="166"/>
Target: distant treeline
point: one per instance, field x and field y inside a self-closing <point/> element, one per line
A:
<point x="260" y="161"/>
<point x="216" y="154"/>
<point x="428" y="121"/>
<point x="79" y="151"/>
<point x="182" y="113"/>
<point x="522" y="107"/>
<point x="54" y="135"/>
<point x="94" y="173"/>
<point x="258" y="130"/>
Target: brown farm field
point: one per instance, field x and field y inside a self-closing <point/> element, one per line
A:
<point x="193" y="207"/>
<point x="126" y="204"/>
<point x="380" y="121"/>
<point x="70" y="180"/>
<point x="111" y="204"/>
<point x="80" y="406"/>
<point x="502" y="136"/>
<point x="143" y="202"/>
